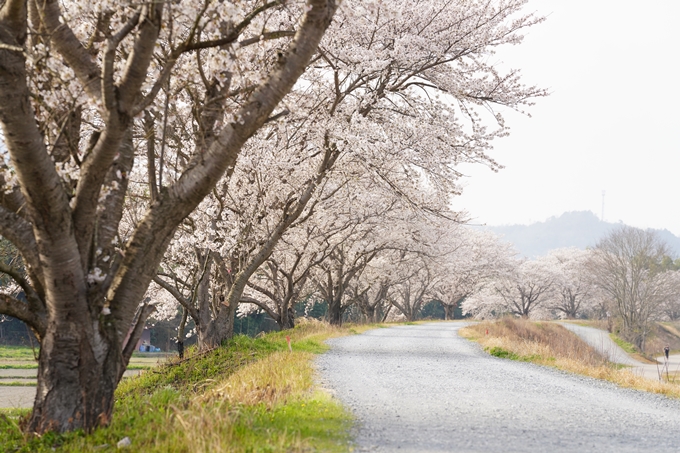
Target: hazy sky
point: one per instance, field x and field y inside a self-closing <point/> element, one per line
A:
<point x="612" y="121"/>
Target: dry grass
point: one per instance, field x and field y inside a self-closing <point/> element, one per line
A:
<point x="553" y="345"/>
<point x="269" y="381"/>
<point x="264" y="397"/>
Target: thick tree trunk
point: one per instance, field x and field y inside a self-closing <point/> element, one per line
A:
<point x="75" y="389"/>
<point x="220" y="329"/>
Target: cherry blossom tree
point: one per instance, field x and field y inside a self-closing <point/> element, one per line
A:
<point x="74" y="78"/>
<point x="412" y="291"/>
<point x="284" y="279"/>
<point x="369" y="291"/>
<point x="334" y="275"/>
<point x="471" y="259"/>
<point x="573" y="285"/>
<point x="372" y="108"/>
<point x="523" y="291"/>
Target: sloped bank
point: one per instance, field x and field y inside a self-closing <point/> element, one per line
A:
<point x="551" y="344"/>
<point x="252" y="395"/>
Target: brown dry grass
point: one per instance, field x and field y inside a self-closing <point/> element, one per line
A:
<point x="553" y="345"/>
<point x="269" y="381"/>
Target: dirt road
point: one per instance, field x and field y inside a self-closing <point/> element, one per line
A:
<point x="425" y="389"/>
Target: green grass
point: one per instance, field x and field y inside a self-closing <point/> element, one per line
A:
<point x="22" y="366"/>
<point x="628" y="347"/>
<point x="17" y="353"/>
<point x="497" y="351"/>
<point x="139" y="367"/>
<point x="178" y="407"/>
<point x="312" y="418"/>
<point x="18" y="384"/>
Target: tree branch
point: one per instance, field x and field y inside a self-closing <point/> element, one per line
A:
<point x="135" y="333"/>
<point x="67" y="44"/>
<point x="178" y="296"/>
<point x="263" y="306"/>
<point x="145" y="249"/>
<point x="20" y="310"/>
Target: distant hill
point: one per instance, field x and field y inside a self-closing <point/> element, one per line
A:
<point x="579" y="229"/>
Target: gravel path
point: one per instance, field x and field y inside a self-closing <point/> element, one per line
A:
<point x="424" y="389"/>
<point x="602" y="342"/>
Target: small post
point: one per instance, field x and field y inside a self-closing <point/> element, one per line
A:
<point x="290" y="348"/>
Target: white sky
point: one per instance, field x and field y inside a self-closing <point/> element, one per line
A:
<point x="611" y="123"/>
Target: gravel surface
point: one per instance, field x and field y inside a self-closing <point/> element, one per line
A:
<point x="425" y="389"/>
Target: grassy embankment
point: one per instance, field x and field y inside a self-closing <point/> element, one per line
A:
<point x="552" y="345"/>
<point x="253" y="395"/>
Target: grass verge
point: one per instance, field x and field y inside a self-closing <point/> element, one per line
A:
<point x="623" y="344"/>
<point x="552" y="345"/>
<point x="252" y="395"/>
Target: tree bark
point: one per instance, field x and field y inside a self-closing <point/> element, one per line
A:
<point x="287" y="318"/>
<point x="88" y="321"/>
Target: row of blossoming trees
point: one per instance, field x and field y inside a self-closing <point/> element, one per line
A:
<point x="629" y="277"/>
<point x="230" y="152"/>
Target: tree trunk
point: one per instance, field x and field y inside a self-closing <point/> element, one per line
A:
<point x="287" y="319"/>
<point x="410" y="315"/>
<point x="81" y="315"/>
<point x="335" y="312"/>
<point x="449" y="311"/>
<point x="79" y="370"/>
<point x="369" y="312"/>
<point x="75" y="390"/>
<point x="218" y="330"/>
<point x="181" y="334"/>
